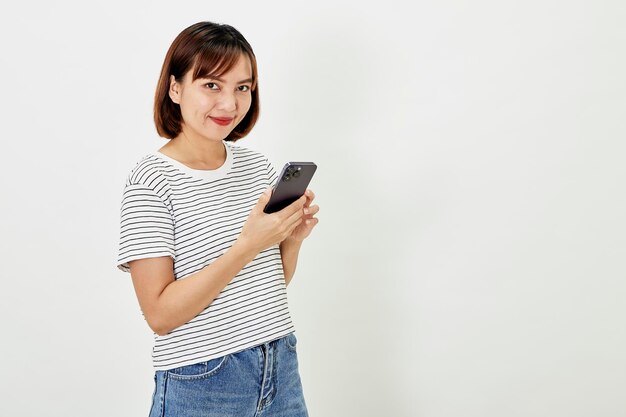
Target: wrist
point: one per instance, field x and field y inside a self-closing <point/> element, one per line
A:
<point x="290" y="241"/>
<point x="245" y="249"/>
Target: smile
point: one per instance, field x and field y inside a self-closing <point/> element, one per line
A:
<point x="221" y="121"/>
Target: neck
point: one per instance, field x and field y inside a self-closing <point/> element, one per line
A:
<point x="196" y="151"/>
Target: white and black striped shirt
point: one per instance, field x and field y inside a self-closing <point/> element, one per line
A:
<point x="194" y="216"/>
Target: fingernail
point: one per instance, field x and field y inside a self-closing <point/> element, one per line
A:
<point x="306" y="211"/>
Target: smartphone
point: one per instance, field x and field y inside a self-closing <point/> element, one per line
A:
<point x="292" y="182"/>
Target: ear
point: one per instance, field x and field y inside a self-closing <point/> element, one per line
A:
<point x="174" y="90"/>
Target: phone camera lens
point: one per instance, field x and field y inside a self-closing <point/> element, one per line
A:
<point x="287" y="177"/>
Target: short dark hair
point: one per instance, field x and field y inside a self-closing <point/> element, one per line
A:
<point x="209" y="49"/>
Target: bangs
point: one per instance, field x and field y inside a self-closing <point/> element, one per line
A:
<point x="216" y="60"/>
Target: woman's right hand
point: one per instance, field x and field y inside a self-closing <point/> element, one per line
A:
<point x="262" y="230"/>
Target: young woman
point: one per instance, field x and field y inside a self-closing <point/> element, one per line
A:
<point x="209" y="267"/>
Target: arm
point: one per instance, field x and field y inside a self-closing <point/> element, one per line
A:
<point x="289" y="250"/>
<point x="167" y="303"/>
<point x="290" y="247"/>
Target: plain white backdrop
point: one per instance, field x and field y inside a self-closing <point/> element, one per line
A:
<point x="470" y="259"/>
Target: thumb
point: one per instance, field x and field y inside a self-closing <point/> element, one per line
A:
<point x="265" y="197"/>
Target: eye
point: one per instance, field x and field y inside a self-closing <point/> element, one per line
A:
<point x="211" y="84"/>
<point x="244" y="88"/>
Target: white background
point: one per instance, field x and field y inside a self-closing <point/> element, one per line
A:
<point x="470" y="255"/>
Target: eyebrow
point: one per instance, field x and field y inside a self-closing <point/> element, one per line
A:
<point x="213" y="77"/>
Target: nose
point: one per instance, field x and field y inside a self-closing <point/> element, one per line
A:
<point x="227" y="102"/>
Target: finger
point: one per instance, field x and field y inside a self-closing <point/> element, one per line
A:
<point x="309" y="198"/>
<point x="294" y="217"/>
<point x="294" y="225"/>
<point x="292" y="208"/>
<point x="310" y="195"/>
<point x="263" y="199"/>
<point x="312" y="221"/>
<point x="310" y="211"/>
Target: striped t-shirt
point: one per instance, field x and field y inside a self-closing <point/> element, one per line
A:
<point x="194" y="216"/>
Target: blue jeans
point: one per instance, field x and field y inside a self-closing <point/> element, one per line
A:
<point x="260" y="381"/>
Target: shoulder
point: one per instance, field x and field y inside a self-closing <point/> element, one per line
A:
<point x="150" y="175"/>
<point x="148" y="169"/>
<point x="246" y="153"/>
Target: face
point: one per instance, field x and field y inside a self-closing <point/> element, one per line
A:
<point x="212" y="107"/>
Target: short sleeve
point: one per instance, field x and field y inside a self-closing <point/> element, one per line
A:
<point x="272" y="176"/>
<point x="146" y="226"/>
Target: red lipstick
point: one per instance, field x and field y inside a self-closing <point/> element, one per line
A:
<point x="221" y="120"/>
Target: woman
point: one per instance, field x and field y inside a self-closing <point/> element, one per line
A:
<point x="209" y="267"/>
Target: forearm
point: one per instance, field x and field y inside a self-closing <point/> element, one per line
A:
<point x="289" y="250"/>
<point x="184" y="299"/>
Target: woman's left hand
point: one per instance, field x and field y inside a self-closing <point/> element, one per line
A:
<point x="303" y="230"/>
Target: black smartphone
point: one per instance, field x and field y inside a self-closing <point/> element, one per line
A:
<point x="292" y="182"/>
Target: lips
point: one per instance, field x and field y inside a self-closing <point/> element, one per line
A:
<point x="222" y="121"/>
